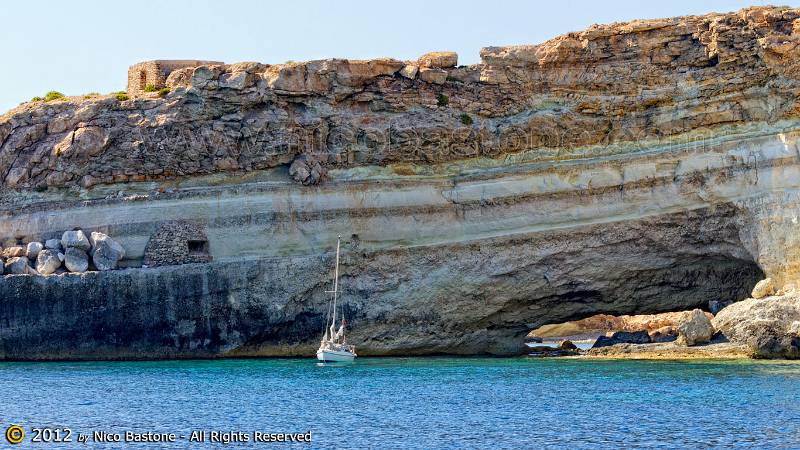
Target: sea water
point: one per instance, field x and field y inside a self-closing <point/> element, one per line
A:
<point x="413" y="402"/>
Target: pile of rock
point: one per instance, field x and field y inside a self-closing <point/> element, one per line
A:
<point x="692" y="328"/>
<point x="768" y="323"/>
<point x="74" y="250"/>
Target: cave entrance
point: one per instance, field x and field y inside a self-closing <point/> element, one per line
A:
<point x="648" y="300"/>
<point x="583" y="333"/>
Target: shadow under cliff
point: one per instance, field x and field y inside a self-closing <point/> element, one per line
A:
<point x="470" y="297"/>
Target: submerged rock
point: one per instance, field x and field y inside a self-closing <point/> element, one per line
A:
<point x="106" y="252"/>
<point x="76" y="239"/>
<point x="694" y="328"/>
<point x="76" y="260"/>
<point x="767" y="326"/>
<point x="48" y="261"/>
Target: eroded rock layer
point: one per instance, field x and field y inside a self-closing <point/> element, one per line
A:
<point x="632" y="168"/>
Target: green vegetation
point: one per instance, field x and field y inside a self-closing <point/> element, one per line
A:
<point x="466" y="119"/>
<point x="452" y="79"/>
<point x="150" y="87"/>
<point x="163" y="92"/>
<point x="49" y="97"/>
<point x="91" y="95"/>
<point x="442" y="100"/>
<point x="53" y="95"/>
<point x="121" y="95"/>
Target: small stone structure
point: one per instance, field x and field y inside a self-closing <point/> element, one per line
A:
<point x="177" y="242"/>
<point x="156" y="72"/>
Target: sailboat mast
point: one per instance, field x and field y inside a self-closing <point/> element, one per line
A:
<point x="336" y="282"/>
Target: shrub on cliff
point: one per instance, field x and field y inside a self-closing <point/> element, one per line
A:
<point x="53" y="95"/>
<point x="150" y="87"/>
<point x="466" y="119"/>
<point x="442" y="100"/>
<point x="91" y="95"/>
<point x="121" y="95"/>
<point x="37" y="99"/>
<point x="163" y="92"/>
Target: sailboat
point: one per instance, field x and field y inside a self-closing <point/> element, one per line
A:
<point x="334" y="346"/>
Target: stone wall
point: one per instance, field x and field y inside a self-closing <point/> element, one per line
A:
<point x="156" y="72"/>
<point x="177" y="242"/>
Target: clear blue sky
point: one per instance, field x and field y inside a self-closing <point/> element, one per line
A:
<point x="81" y="46"/>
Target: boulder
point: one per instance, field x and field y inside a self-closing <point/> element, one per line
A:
<point x="623" y="337"/>
<point x="694" y="328"/>
<point x="767" y="327"/>
<point x="763" y="288"/>
<point x="307" y="170"/>
<point x="19" y="265"/>
<point x="48" y="261"/>
<point x="14" y="252"/>
<point x="106" y="252"/>
<point x="632" y="337"/>
<point x="76" y="239"/>
<point x="664" y="334"/>
<point x="53" y="244"/>
<point x="567" y="345"/>
<point x="76" y="260"/>
<point x="604" y="341"/>
<point x="409" y="71"/>
<point x="438" y="60"/>
<point x="33" y="249"/>
<point x="435" y="76"/>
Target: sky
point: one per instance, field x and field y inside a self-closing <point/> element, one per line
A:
<point x="82" y="46"/>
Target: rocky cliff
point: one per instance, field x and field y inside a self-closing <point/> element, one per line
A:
<point x="630" y="168"/>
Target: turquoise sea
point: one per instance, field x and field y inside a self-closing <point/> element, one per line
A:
<point x="424" y="403"/>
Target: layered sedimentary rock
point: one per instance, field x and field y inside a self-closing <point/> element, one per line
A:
<point x="631" y="168"/>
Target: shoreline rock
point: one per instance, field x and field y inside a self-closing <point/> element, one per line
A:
<point x="768" y="326"/>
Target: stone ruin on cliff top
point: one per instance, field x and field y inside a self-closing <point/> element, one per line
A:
<point x="156" y="72"/>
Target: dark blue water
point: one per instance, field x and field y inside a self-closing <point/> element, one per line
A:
<point x="418" y="402"/>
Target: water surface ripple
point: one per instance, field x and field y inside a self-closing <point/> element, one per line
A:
<point x="420" y="402"/>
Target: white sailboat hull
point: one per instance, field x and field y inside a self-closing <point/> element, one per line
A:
<point x="335" y="355"/>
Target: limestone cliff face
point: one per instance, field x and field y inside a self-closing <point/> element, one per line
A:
<point x="631" y="168"/>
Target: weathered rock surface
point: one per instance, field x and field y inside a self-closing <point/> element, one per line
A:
<point x="106" y="252"/>
<point x="33" y="249"/>
<point x="76" y="239"/>
<point x="18" y="265"/>
<point x="567" y="345"/>
<point x="623" y="337"/>
<point x="14" y="252"/>
<point x="664" y="334"/>
<point x="632" y="168"/>
<point x="626" y="82"/>
<point x="767" y="326"/>
<point x="48" y="261"/>
<point x="53" y="244"/>
<point x="694" y="328"/>
<point x="763" y="288"/>
<point x="76" y="260"/>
